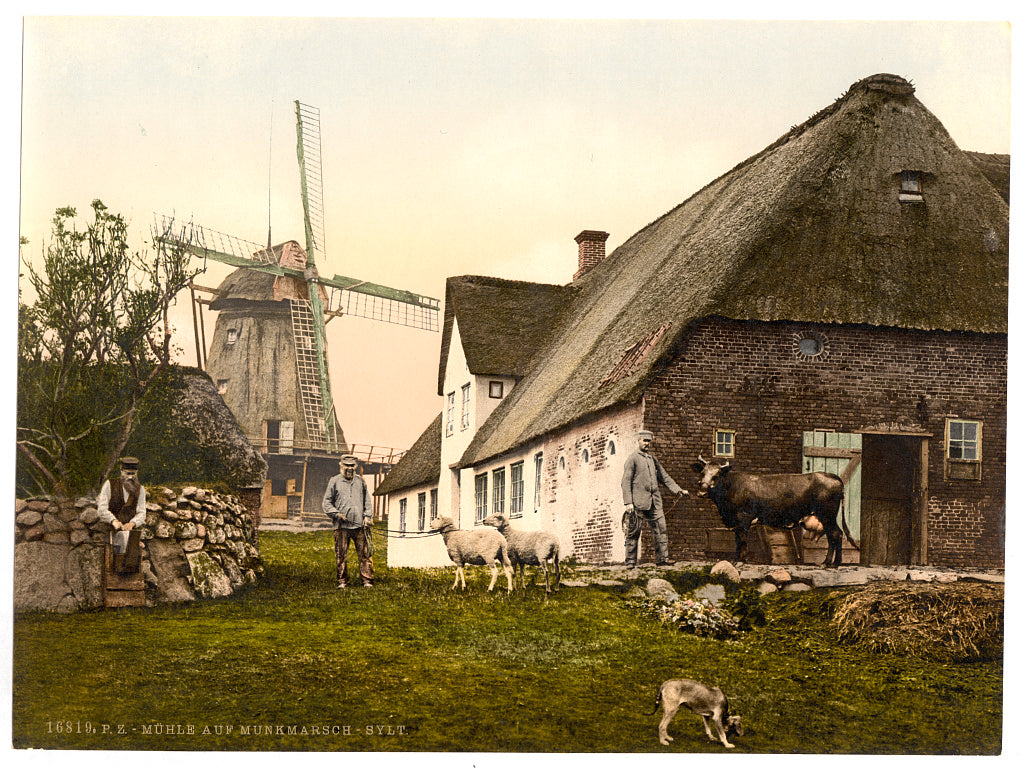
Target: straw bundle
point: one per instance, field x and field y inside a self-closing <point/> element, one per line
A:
<point x="952" y="622"/>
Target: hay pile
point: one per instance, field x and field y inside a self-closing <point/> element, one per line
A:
<point x="951" y="622"/>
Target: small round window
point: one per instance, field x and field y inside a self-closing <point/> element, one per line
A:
<point x="810" y="345"/>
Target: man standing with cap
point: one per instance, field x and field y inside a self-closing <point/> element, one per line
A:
<point x="347" y="503"/>
<point x="122" y="504"/>
<point x="642" y="497"/>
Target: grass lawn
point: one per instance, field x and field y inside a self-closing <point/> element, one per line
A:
<point x="293" y="664"/>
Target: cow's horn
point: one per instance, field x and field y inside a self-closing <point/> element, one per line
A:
<point x="726" y="463"/>
<point x="701" y="459"/>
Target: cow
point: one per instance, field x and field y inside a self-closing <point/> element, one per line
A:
<point x="785" y="501"/>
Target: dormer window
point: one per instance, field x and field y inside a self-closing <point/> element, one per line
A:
<point x="232" y="335"/>
<point x="911" y="190"/>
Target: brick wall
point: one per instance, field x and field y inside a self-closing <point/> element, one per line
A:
<point x="582" y="499"/>
<point x="751" y="377"/>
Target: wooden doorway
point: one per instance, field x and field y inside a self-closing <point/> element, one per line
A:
<point x="892" y="498"/>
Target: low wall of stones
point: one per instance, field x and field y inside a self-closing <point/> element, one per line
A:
<point x="195" y="544"/>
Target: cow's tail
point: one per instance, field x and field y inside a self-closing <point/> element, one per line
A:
<point x="846" y="529"/>
<point x="657" y="703"/>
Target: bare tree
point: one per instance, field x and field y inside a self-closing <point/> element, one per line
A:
<point x="100" y="316"/>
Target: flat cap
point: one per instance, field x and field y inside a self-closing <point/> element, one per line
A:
<point x="129" y="463"/>
<point x="349" y="460"/>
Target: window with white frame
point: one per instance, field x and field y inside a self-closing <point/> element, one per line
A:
<point x="480" y="497"/>
<point x="963" y="449"/>
<point x="403" y="504"/>
<point x="421" y="512"/>
<point x="538" y="468"/>
<point x="910" y="187"/>
<point x="496" y="389"/>
<point x="498" y="490"/>
<point x="516" y="489"/>
<point x="433" y="504"/>
<point x="449" y="428"/>
<point x="465" y="406"/>
<point x="725" y="443"/>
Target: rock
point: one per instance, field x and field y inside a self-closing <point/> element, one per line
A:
<point x="39" y="576"/>
<point x="208" y="579"/>
<point x="170" y="515"/>
<point x="234" y="574"/>
<point x="185" y="530"/>
<point x="80" y="536"/>
<point x="163" y="529"/>
<point x="57" y="537"/>
<point x="35" y="532"/>
<point x="713" y="593"/>
<point x="89" y="516"/>
<point x="796" y="587"/>
<point x="168" y="564"/>
<point x="84" y="576"/>
<point x="51" y="523"/>
<point x="727" y="570"/>
<point x="39" y="505"/>
<point x="28" y="518"/>
<point x="766" y="588"/>
<point x="20" y="506"/>
<point x="83" y="502"/>
<point x="780" y="577"/>
<point x="192" y="545"/>
<point x="661" y="589"/>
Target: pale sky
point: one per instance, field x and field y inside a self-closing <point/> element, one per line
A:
<point x="450" y="147"/>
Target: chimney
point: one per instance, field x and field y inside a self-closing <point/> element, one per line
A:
<point x="591" y="243"/>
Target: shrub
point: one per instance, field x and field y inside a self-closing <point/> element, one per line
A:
<point x="689" y="615"/>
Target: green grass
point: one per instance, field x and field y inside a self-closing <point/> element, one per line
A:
<point x="412" y="666"/>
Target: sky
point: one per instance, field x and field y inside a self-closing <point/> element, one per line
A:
<point x="450" y="147"/>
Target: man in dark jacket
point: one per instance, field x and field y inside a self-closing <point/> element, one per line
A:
<point x="347" y="503"/>
<point x="122" y="503"/>
<point x="642" y="498"/>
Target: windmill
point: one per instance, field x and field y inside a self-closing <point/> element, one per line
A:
<point x="269" y="351"/>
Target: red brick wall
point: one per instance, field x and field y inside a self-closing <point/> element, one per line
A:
<point x="747" y="377"/>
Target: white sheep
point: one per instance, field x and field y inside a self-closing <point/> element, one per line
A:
<point x="535" y="548"/>
<point x="483" y="547"/>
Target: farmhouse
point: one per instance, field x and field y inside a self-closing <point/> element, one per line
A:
<point x="837" y="301"/>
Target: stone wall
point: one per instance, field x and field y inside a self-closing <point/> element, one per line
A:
<point x="195" y="544"/>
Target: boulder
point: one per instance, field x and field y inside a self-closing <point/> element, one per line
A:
<point x="661" y="589"/>
<point x="39" y="576"/>
<point x="208" y="579"/>
<point x="727" y="570"/>
<point x="85" y="576"/>
<point x="712" y="593"/>
<point x="167" y="561"/>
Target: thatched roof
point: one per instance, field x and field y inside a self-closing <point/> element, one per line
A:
<point x="420" y="465"/>
<point x="810" y="229"/>
<point x="996" y="169"/>
<point x="502" y="323"/>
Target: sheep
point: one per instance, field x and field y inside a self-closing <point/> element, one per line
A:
<point x="529" y="547"/>
<point x="477" y="546"/>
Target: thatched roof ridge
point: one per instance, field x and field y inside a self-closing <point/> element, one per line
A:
<point x="501" y="322"/>
<point x="419" y="466"/>
<point x="810" y="229"/>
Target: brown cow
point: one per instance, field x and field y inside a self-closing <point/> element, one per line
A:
<point x="783" y="501"/>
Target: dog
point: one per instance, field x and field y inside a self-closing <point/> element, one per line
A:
<point x="710" y="703"/>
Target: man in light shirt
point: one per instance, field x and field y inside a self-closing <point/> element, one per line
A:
<point x="348" y="504"/>
<point x="122" y="504"/>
